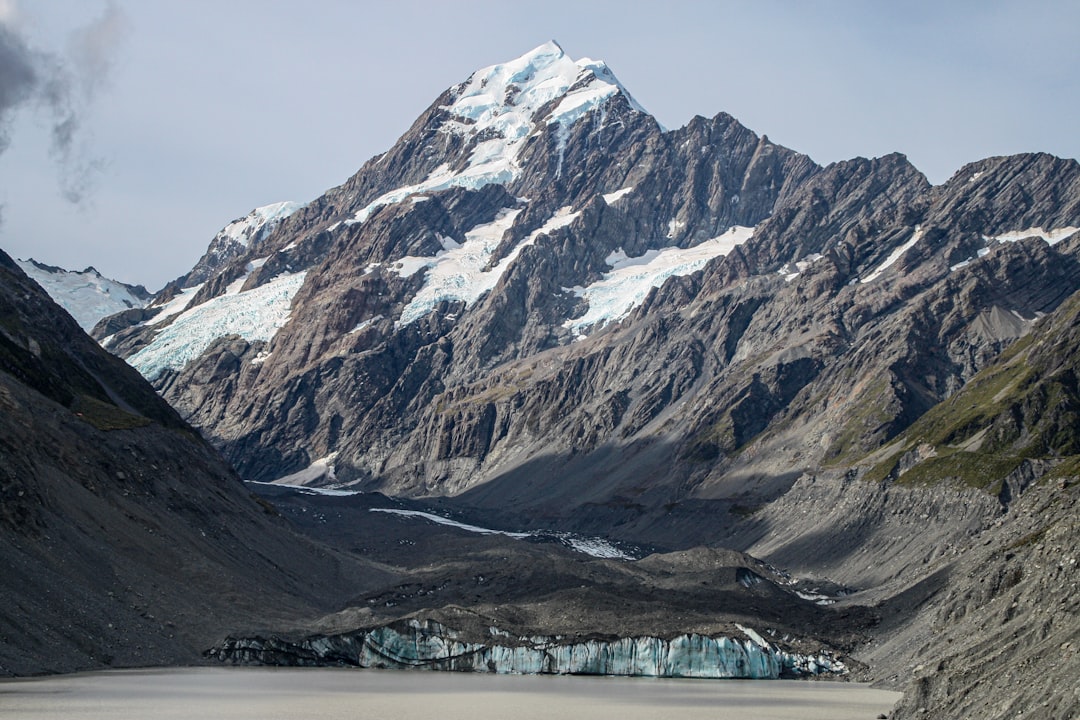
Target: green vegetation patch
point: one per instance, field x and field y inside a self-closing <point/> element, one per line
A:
<point x="974" y="469"/>
<point x="869" y="414"/>
<point x="975" y="407"/>
<point x="707" y="445"/>
<point x="105" y="416"/>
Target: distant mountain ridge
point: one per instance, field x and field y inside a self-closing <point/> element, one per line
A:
<point x="86" y="294"/>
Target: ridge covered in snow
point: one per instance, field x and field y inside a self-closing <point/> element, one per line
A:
<point x="87" y="296"/>
<point x="257" y="224"/>
<point x="1050" y="237"/>
<point x="506" y="104"/>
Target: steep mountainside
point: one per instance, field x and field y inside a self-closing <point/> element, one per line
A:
<point x="963" y="533"/>
<point x="124" y="538"/>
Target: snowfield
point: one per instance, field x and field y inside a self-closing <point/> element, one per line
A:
<point x="631" y="279"/>
<point x="87" y="296"/>
<point x="459" y="271"/>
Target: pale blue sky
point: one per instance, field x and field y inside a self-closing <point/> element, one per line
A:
<point x="209" y="108"/>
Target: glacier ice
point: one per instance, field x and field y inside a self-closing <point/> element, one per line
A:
<point x="425" y="644"/>
<point x="86" y="295"/>
<point x="460" y="271"/>
<point x="255" y="314"/>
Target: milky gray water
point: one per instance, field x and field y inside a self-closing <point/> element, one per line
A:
<point x="270" y="694"/>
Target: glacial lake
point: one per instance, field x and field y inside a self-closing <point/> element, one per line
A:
<point x="321" y="694"/>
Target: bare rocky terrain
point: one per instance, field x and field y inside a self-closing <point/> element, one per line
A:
<point x="842" y="409"/>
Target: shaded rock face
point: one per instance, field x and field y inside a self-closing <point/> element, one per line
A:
<point x="125" y="539"/>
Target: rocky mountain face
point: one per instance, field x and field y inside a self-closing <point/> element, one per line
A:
<point x="537" y="283"/>
<point x="88" y="296"/>
<point x="124" y="537"/>
<point x="542" y="307"/>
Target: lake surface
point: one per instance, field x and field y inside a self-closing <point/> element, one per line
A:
<point x="272" y="694"/>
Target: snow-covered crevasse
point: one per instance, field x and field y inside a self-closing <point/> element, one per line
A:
<point x="631" y="279"/>
<point x="255" y="314"/>
<point x="425" y="644"/>
<point x="502" y="104"/>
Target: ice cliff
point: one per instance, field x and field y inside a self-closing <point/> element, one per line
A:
<point x="425" y="644"/>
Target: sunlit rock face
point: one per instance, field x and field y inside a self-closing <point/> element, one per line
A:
<point x="432" y="646"/>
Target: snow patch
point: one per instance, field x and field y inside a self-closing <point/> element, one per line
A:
<point x="816" y="597"/>
<point x="177" y="305"/>
<point x="365" y="324"/>
<point x="593" y="546"/>
<point x="256" y="314"/>
<point x="256" y="225"/>
<point x="790" y="271"/>
<point x="673" y="227"/>
<point x="612" y="198"/>
<point x="631" y="279"/>
<point x="894" y="256"/>
<point x="321" y="470"/>
<point x="562" y="217"/>
<point x="1050" y="237"/>
<point x="460" y="272"/>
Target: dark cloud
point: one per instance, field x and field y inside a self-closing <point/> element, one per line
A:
<point x="63" y="89"/>
<point x="18" y="79"/>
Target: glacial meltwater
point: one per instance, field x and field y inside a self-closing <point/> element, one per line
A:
<point x="313" y="694"/>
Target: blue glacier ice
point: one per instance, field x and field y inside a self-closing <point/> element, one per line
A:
<point x="426" y="644"/>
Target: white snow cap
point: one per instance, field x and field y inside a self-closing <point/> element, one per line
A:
<point x="502" y="104"/>
<point x="508" y="96"/>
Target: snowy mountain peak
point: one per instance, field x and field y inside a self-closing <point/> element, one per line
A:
<point x="506" y="98"/>
<point x="500" y="107"/>
<point x="237" y="238"/>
